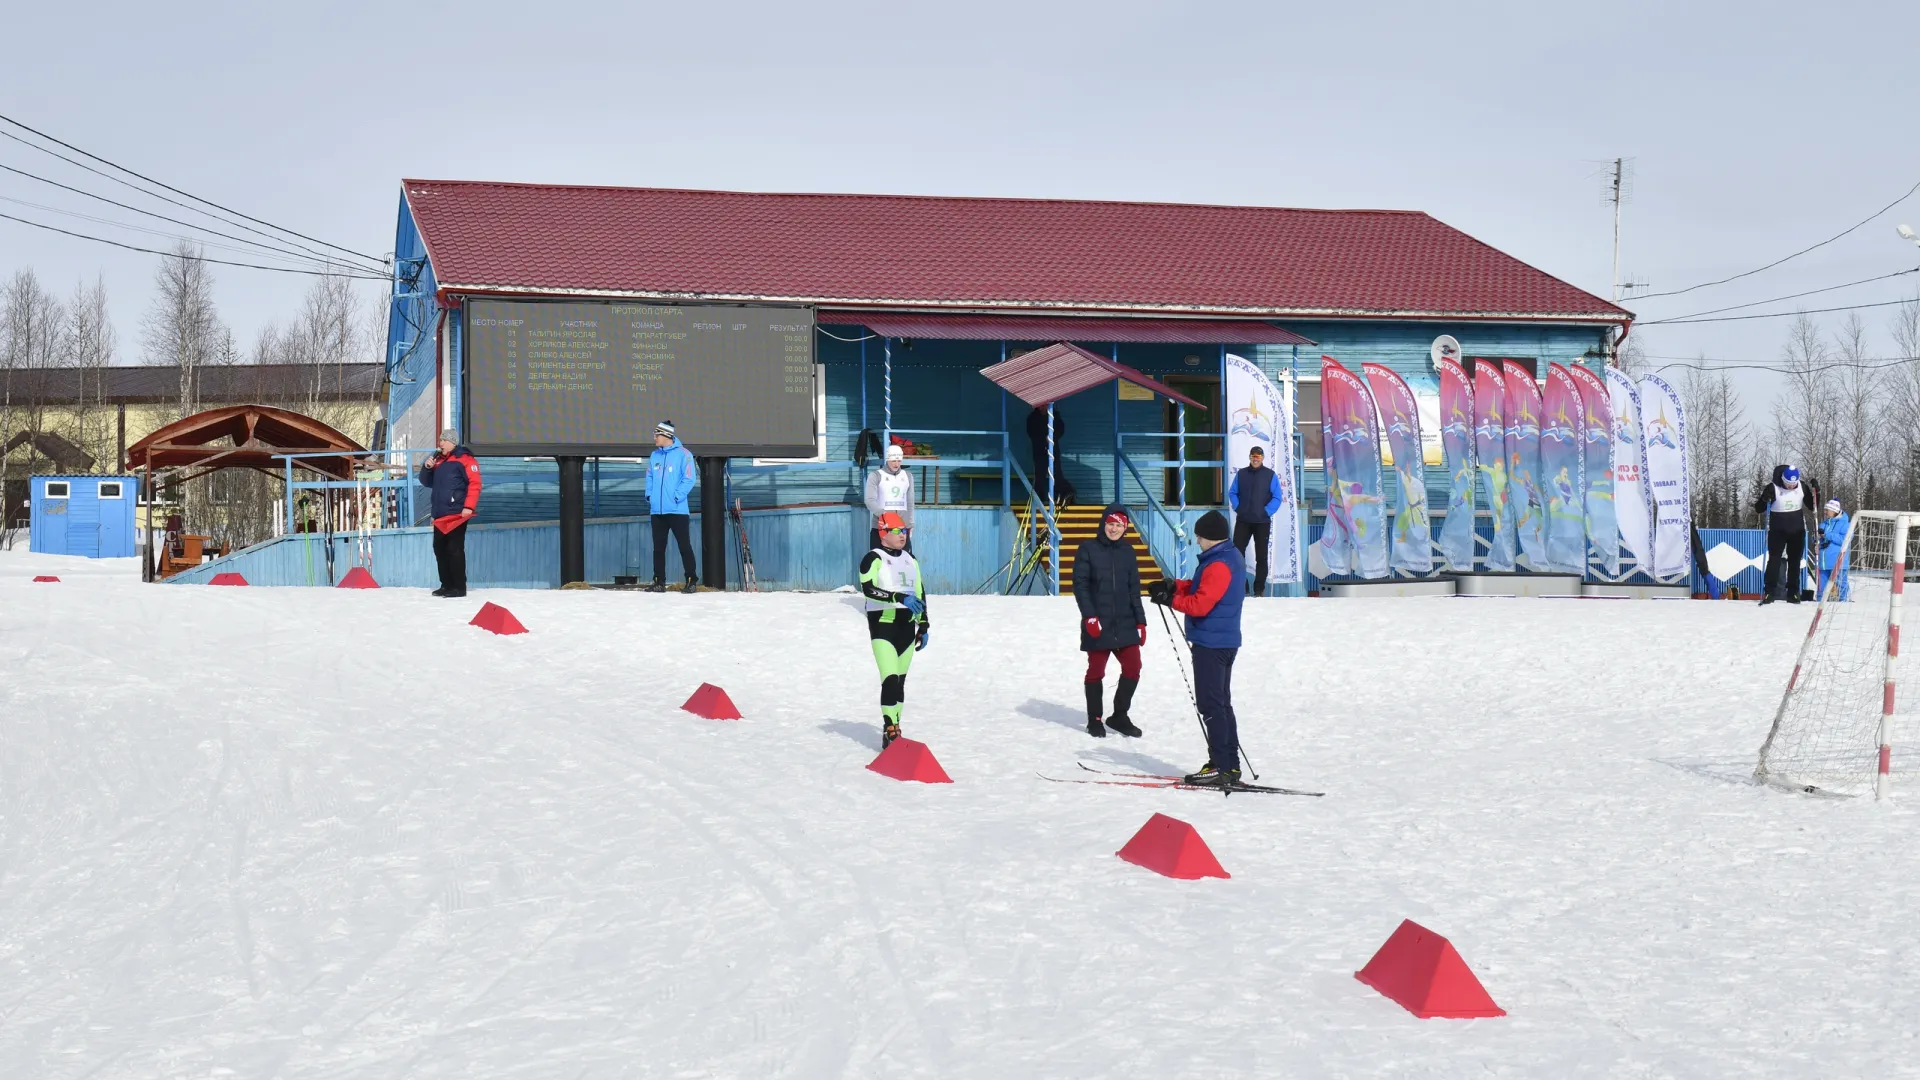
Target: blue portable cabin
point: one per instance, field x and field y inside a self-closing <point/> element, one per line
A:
<point x="899" y="287"/>
<point x="86" y="515"/>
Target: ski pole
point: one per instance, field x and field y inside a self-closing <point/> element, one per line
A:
<point x="1192" y="698"/>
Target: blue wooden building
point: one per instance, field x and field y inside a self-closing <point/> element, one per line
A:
<point x="89" y="515"/>
<point x="913" y="297"/>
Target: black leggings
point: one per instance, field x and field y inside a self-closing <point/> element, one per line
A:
<point x="677" y="525"/>
<point x="1784" y="551"/>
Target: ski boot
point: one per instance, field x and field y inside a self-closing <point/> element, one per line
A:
<point x="692" y="586"/>
<point x="1211" y="775"/>
<point x="1122" y="701"/>
<point x="1094" y="727"/>
<point x="889" y="731"/>
<point x="658" y="586"/>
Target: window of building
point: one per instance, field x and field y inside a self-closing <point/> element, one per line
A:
<point x="1530" y="363"/>
<point x="1306" y="419"/>
<point x="58" y="489"/>
<point x="110" y="489"/>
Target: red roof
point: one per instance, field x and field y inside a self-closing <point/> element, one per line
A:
<point x="893" y="251"/>
<point x="961" y="327"/>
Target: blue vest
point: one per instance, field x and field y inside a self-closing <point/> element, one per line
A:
<point x="1220" y="628"/>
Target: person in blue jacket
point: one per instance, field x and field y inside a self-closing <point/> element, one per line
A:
<point x="671" y="475"/>
<point x="1254" y="496"/>
<point x="1833" y="556"/>
<point x="1211" y="602"/>
<point x="454" y="476"/>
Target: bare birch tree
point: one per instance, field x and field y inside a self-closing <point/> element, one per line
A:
<point x="1903" y="398"/>
<point x="183" y="328"/>
<point x="88" y="351"/>
<point x="30" y="337"/>
<point x="1859" y="415"/>
<point x="1803" y="414"/>
<point x="1720" y="447"/>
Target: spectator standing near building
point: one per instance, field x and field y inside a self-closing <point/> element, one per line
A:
<point x="1211" y="601"/>
<point x="890" y="490"/>
<point x="1063" y="492"/>
<point x="1833" y="554"/>
<point x="1113" y="621"/>
<point x="454" y="478"/>
<point x="671" y="476"/>
<point x="1784" y="502"/>
<point x="1254" y="495"/>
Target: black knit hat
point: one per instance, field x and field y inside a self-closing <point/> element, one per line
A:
<point x="1211" y="526"/>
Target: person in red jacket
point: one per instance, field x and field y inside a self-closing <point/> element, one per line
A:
<point x="454" y="476"/>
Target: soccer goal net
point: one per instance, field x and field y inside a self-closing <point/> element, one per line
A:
<point x="1833" y="731"/>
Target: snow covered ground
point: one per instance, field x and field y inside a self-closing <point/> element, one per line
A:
<point x="311" y="833"/>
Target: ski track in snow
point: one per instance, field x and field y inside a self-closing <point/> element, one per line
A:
<point x="305" y="833"/>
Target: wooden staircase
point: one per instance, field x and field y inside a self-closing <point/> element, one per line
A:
<point x="1079" y="524"/>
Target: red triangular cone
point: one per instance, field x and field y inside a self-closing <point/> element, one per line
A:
<point x="711" y="702"/>
<point x="45" y="577"/>
<point x="1420" y="970"/>
<point x="497" y="619"/>
<point x="358" y="578"/>
<point x="227" y="578"/>
<point x="909" y="760"/>
<point x="1170" y="846"/>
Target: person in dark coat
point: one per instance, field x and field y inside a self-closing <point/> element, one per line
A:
<point x="1254" y="495"/>
<point x="454" y="476"/>
<point x="1063" y="492"/>
<point x="1113" y="621"/>
<point x="1784" y="501"/>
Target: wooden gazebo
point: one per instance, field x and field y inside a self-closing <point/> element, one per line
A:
<point x="238" y="437"/>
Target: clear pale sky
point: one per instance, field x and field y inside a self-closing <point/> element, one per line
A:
<point x="1756" y="128"/>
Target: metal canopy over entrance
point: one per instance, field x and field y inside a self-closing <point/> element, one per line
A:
<point x="1062" y="370"/>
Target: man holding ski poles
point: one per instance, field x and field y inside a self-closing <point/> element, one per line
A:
<point x="1211" y="601"/>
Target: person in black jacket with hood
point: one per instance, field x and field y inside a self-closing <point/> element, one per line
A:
<point x="1113" y="621"/>
<point x="1784" y="501"/>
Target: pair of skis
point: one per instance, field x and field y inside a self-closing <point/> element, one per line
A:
<point x="1159" y="780"/>
<point x="748" y="581"/>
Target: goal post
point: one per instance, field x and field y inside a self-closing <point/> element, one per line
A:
<point x="1833" y="731"/>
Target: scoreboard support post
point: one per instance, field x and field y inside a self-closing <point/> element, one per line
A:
<point x="713" y="522"/>
<point x="573" y="519"/>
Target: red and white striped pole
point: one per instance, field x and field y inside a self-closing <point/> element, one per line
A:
<point x="1899" y="583"/>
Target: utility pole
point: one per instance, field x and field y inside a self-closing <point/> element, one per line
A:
<point x="1616" y="189"/>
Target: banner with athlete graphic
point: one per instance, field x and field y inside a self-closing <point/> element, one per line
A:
<point x="1563" y="473"/>
<point x="1259" y="415"/>
<point x="1456" y="440"/>
<point x="1523" y="463"/>
<point x="1632" y="509"/>
<point x="1412" y="525"/>
<point x="1596" y="429"/>
<point x="1354" y="542"/>
<point x="1665" y="425"/>
<point x="1490" y="444"/>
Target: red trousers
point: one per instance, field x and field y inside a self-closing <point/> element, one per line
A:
<point x="1129" y="663"/>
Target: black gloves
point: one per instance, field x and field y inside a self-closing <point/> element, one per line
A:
<point x="1161" y="592"/>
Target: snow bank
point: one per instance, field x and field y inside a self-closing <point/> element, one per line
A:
<point x="321" y="833"/>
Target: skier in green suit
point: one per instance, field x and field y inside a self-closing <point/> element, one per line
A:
<point x="896" y="616"/>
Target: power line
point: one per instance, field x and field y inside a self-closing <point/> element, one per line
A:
<point x="301" y="259"/>
<point x="168" y="187"/>
<point x="1777" y="262"/>
<point x="324" y="260"/>
<point x="1861" y="365"/>
<point x="1777" y="299"/>
<point x="1772" y="314"/>
<point x="194" y="258"/>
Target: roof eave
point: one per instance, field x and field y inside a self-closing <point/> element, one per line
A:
<point x="1057" y="307"/>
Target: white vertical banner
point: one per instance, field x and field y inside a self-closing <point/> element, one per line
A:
<point x="1665" y="425"/>
<point x="1632" y="508"/>
<point x="1258" y="414"/>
